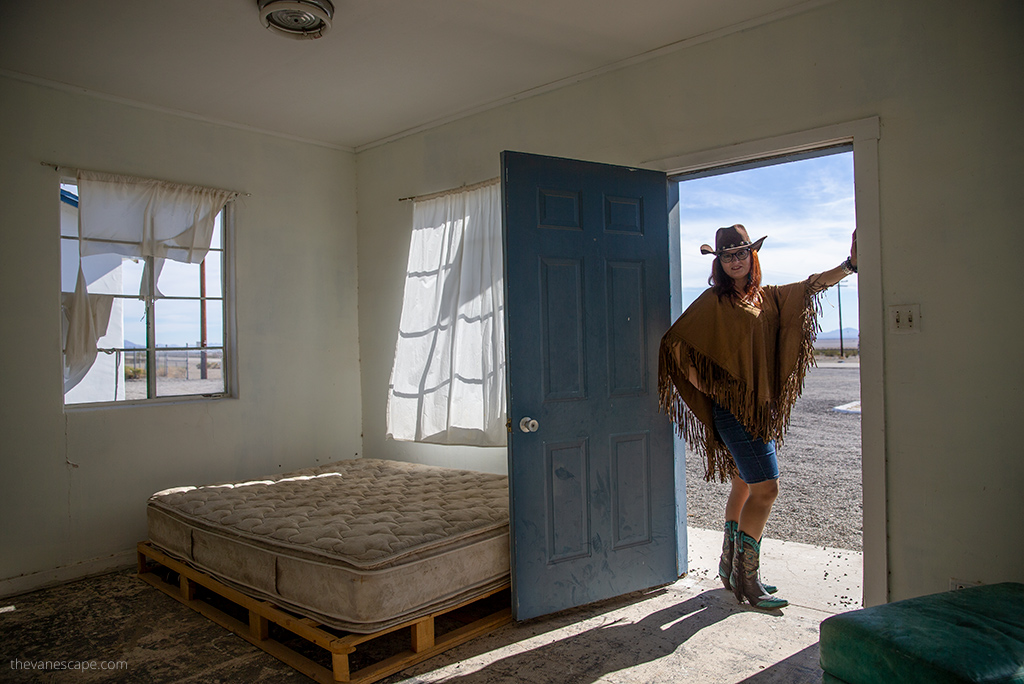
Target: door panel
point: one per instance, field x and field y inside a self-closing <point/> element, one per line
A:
<point x="587" y="300"/>
<point x="631" y="486"/>
<point x="563" y="326"/>
<point x="568" y="500"/>
<point x="627" y="362"/>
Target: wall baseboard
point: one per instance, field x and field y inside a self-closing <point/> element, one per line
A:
<point x="45" y="579"/>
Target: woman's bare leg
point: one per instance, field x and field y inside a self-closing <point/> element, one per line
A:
<point x="737" y="497"/>
<point x="757" y="507"/>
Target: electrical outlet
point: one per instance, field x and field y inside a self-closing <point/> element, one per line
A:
<point x="955" y="584"/>
<point x="905" y="318"/>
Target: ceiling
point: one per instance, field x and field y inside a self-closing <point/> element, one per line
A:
<point x="386" y="67"/>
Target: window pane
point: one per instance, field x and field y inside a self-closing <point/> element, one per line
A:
<point x="113" y="337"/>
<point x="179" y="280"/>
<point x="102" y="380"/>
<point x="135" y="324"/>
<point x="213" y="270"/>
<point x="190" y="371"/>
<point x="215" y="323"/>
<point x="69" y="210"/>
<point x="177" y="323"/>
<point x="218" y="235"/>
<point x="68" y="265"/>
<point x="103" y="273"/>
<point x="131" y="276"/>
<point x="135" y="374"/>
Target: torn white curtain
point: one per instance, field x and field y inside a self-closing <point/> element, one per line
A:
<point x="448" y="379"/>
<point x="87" y="318"/>
<point x="135" y="217"/>
<point x="142" y="217"/>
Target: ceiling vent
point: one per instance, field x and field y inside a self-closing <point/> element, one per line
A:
<point x="303" y="19"/>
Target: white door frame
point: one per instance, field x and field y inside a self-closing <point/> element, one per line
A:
<point x="864" y="135"/>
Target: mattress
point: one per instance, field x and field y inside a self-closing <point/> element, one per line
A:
<point x="359" y="545"/>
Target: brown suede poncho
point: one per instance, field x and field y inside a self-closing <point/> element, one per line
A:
<point x="752" y="361"/>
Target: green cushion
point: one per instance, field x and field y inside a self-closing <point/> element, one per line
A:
<point x="826" y="678"/>
<point x="970" y="635"/>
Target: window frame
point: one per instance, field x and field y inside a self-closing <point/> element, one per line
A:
<point x="227" y="347"/>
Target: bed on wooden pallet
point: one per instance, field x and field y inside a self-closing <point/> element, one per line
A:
<point x="339" y="555"/>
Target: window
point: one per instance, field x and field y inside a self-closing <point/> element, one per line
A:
<point x="448" y="378"/>
<point x="139" y="326"/>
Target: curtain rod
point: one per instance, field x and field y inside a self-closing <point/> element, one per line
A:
<point x="58" y="167"/>
<point x="452" y="191"/>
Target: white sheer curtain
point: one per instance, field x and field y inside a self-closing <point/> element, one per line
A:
<point x="448" y="378"/>
<point x="86" y="320"/>
<point x="134" y="217"/>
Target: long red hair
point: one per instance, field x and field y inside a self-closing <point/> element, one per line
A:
<point x="722" y="283"/>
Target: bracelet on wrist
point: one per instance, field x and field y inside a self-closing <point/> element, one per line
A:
<point x="848" y="266"/>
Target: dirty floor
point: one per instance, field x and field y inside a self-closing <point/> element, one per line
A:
<point x="116" y="628"/>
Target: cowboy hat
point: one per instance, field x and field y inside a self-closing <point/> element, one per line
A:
<point x="733" y="237"/>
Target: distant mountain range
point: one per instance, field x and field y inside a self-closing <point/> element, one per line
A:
<point x="128" y="344"/>
<point x="848" y="334"/>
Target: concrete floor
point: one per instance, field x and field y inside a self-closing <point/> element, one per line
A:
<point x="690" y="631"/>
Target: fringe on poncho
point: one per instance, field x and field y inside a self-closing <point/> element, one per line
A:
<point x="751" y="360"/>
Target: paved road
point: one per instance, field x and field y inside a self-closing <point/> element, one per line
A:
<point x="820" y="499"/>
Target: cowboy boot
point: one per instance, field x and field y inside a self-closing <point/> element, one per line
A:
<point x="737" y="563"/>
<point x="746" y="582"/>
<point x="728" y="551"/>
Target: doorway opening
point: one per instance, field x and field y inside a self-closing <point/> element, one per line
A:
<point x="805" y="204"/>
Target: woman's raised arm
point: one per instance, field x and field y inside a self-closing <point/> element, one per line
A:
<point x="822" y="281"/>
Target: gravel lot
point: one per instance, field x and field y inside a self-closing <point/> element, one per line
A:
<point x="820" y="499"/>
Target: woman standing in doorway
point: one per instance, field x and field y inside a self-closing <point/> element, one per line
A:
<point x="730" y="369"/>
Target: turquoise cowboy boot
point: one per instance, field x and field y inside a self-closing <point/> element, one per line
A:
<point x="728" y="551"/>
<point x="746" y="582"/>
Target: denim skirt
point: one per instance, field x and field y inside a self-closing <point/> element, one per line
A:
<point x="754" y="458"/>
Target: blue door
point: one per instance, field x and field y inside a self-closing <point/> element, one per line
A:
<point x="591" y="463"/>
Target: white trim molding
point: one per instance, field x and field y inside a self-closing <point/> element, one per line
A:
<point x="791" y="143"/>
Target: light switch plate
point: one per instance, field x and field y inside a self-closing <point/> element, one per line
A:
<point x="905" y="318"/>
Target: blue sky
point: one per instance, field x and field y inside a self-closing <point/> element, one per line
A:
<point x="806" y="208"/>
<point x="177" y="322"/>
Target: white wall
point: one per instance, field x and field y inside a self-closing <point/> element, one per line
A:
<point x="945" y="79"/>
<point x="299" y="399"/>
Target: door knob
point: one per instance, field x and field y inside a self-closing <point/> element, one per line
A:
<point x="528" y="424"/>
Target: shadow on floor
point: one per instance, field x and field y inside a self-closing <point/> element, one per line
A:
<point x="799" y="667"/>
<point x="588" y="656"/>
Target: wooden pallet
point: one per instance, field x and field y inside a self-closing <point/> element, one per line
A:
<point x="424" y="641"/>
